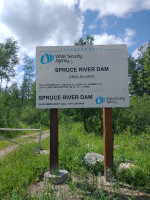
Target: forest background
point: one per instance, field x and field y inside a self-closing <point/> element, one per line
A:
<point x="18" y="103"/>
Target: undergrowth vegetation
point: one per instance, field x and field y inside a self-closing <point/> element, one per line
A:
<point x="24" y="166"/>
<point x="20" y="168"/>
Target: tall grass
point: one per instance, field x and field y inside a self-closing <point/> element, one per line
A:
<point x="20" y="168"/>
<point x="74" y="143"/>
<point x="23" y="166"/>
<point x="134" y="149"/>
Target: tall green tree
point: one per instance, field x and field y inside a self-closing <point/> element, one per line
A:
<point x="33" y="94"/>
<point x="8" y="59"/>
<point x="15" y="100"/>
<point x="88" y="41"/>
<point x="139" y="71"/>
<point x="147" y="68"/>
<point x="143" y="62"/>
<point x="27" y="79"/>
<point x="133" y="76"/>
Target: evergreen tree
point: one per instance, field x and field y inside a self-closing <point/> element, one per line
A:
<point x="139" y="72"/>
<point x="27" y="79"/>
<point x="147" y="69"/>
<point x="133" y="76"/>
<point x="8" y="59"/>
<point x="88" y="41"/>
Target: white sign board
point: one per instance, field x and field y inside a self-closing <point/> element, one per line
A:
<point x="82" y="76"/>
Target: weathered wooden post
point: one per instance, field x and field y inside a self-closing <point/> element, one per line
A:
<point x="53" y="140"/>
<point x="108" y="143"/>
<point x="55" y="175"/>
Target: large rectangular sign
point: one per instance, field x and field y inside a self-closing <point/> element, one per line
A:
<point x="82" y="76"/>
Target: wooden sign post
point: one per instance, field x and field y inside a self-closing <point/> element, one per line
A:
<point x="108" y="143"/>
<point x="53" y="140"/>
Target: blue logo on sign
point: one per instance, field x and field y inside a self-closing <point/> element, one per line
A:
<point x="47" y="58"/>
<point x="100" y="100"/>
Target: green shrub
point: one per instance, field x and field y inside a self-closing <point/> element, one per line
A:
<point x="134" y="176"/>
<point x="136" y="117"/>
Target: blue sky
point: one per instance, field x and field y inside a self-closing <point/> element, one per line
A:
<point x="61" y="22"/>
<point x="139" y="22"/>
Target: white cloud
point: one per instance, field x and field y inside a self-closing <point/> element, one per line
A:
<point x="129" y="32"/>
<point x="104" y="24"/>
<point x="129" y="35"/>
<point x="1" y="6"/>
<point x="104" y="38"/>
<point x="69" y="3"/>
<point x="135" y="53"/>
<point x="18" y="78"/>
<point x="4" y="32"/>
<point x="41" y="22"/>
<point x="107" y="39"/>
<point x="92" y="26"/>
<point x="118" y="8"/>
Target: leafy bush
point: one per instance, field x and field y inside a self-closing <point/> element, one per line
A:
<point x="134" y="176"/>
<point x="136" y="117"/>
<point x="134" y="149"/>
<point x="92" y="118"/>
<point x="33" y="116"/>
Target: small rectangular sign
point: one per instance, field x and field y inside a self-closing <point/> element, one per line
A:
<point x="82" y="76"/>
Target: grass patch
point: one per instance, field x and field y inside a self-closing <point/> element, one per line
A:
<point x="13" y="134"/>
<point x="20" y="168"/>
<point x="74" y="143"/>
<point x="134" y="148"/>
<point x="5" y="143"/>
<point x="23" y="166"/>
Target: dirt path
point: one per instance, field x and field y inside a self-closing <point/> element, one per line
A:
<point x="120" y="191"/>
<point x="6" y="150"/>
